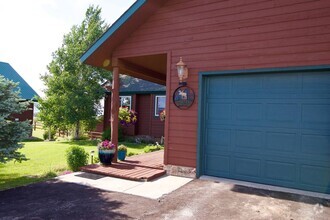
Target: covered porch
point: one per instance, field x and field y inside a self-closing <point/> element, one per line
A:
<point x="152" y="68"/>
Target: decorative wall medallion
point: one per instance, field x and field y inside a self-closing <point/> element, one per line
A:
<point x="183" y="97"/>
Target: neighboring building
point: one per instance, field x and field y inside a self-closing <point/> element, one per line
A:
<point x="261" y="76"/>
<point x="27" y="93"/>
<point x="147" y="99"/>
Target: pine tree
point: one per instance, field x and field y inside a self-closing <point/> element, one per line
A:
<point x="11" y="131"/>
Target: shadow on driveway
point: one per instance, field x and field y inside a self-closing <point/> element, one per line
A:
<point x="280" y="195"/>
<point x="59" y="200"/>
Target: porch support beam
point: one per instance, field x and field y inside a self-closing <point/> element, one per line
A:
<point x="115" y="108"/>
<point x="142" y="72"/>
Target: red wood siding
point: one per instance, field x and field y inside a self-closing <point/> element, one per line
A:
<point x="147" y="123"/>
<point x="26" y="115"/>
<point x="225" y="35"/>
<point x="157" y="126"/>
<point x="143" y="108"/>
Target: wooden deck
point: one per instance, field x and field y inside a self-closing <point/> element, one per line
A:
<point x="144" y="167"/>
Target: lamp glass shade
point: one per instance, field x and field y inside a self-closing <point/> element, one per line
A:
<point x="180" y="71"/>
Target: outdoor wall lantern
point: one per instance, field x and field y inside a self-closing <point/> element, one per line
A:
<point x="183" y="96"/>
<point x="182" y="72"/>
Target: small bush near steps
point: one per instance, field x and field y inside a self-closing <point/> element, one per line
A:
<point x="76" y="157"/>
<point x="152" y="148"/>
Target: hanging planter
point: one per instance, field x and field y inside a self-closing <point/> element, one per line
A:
<point x="127" y="117"/>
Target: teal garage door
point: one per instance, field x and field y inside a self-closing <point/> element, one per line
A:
<point x="271" y="128"/>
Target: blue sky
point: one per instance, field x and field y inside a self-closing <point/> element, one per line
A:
<point x="31" y="30"/>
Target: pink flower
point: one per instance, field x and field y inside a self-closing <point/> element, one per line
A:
<point x="106" y="145"/>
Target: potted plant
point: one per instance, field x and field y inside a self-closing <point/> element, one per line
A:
<point x="106" y="152"/>
<point x="122" y="151"/>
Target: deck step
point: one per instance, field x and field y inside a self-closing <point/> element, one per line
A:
<point x="124" y="171"/>
<point x="144" y="167"/>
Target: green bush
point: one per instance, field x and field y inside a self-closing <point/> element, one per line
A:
<point x="76" y="157"/>
<point x="152" y="148"/>
<point x="52" y="135"/>
<point x="106" y="135"/>
<point x="96" y="159"/>
<point x="131" y="154"/>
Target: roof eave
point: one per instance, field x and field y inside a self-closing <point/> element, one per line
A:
<point x="112" y="29"/>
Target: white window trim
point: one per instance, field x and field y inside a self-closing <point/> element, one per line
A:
<point x="130" y="101"/>
<point x="156" y="98"/>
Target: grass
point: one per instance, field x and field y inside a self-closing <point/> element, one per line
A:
<point x="46" y="160"/>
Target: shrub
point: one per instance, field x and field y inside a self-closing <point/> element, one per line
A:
<point x="52" y="135"/>
<point x="131" y="154"/>
<point x="152" y="148"/>
<point x="122" y="148"/>
<point x="106" y="135"/>
<point x="76" y="157"/>
<point x="96" y="159"/>
<point x="144" y="139"/>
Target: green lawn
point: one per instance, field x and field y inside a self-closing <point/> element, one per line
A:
<point x="46" y="160"/>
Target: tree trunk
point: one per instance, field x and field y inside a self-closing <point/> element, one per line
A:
<point x="77" y="130"/>
<point x="49" y="134"/>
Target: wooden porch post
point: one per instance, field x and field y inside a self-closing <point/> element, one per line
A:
<point x="115" y="108"/>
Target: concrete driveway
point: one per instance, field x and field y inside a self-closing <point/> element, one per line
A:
<point x="199" y="199"/>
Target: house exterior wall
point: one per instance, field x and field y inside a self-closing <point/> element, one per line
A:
<point x="215" y="35"/>
<point x="147" y="124"/>
<point x="26" y="115"/>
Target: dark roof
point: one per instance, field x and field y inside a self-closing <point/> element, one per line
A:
<point x="9" y="73"/>
<point x="133" y="85"/>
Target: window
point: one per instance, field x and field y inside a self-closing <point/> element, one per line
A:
<point x="159" y="104"/>
<point x="126" y="101"/>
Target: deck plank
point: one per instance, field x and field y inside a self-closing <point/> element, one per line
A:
<point x="144" y="167"/>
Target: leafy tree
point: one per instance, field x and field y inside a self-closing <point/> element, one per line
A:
<point x="11" y="131"/>
<point x="73" y="89"/>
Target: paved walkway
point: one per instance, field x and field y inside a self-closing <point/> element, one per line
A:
<point x="144" y="167"/>
<point x="153" y="189"/>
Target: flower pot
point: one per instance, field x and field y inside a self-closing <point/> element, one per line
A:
<point x="106" y="156"/>
<point x="121" y="155"/>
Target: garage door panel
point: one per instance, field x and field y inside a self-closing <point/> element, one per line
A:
<point x="218" y="138"/>
<point x="316" y="116"/>
<point x="283" y="114"/>
<point x="280" y="171"/>
<point x="311" y="175"/>
<point x="247" y="139"/>
<point x="269" y="128"/>
<point x="282" y="141"/>
<point x="317" y="145"/>
<point x="248" y="112"/>
<point x="218" y="164"/>
<point x="219" y="111"/>
<point x="274" y="84"/>
<point x="316" y="83"/>
<point x="247" y="167"/>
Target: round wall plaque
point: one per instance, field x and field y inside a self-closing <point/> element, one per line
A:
<point x="183" y="97"/>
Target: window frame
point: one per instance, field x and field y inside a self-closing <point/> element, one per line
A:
<point x="130" y="101"/>
<point x="156" y="113"/>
